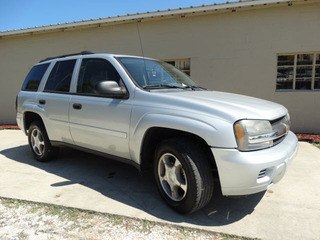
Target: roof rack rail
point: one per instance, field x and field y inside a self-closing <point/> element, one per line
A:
<point x="69" y="55"/>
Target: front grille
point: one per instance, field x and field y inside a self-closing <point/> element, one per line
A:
<point x="281" y="126"/>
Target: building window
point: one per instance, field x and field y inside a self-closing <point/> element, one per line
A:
<point x="182" y="64"/>
<point x="298" y="71"/>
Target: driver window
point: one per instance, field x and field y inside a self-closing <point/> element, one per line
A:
<point x="93" y="71"/>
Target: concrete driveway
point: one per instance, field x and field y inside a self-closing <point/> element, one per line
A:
<point x="289" y="210"/>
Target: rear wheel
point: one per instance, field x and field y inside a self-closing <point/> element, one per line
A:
<point x="39" y="142"/>
<point x="183" y="175"/>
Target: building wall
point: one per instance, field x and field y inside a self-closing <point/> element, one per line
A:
<point x="234" y="52"/>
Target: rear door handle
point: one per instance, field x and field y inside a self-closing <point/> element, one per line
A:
<point x="42" y="101"/>
<point x="77" y="106"/>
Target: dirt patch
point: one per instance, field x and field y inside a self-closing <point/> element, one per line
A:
<point x="29" y="220"/>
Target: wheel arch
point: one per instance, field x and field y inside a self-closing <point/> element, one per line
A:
<point x="155" y="135"/>
<point x="29" y="117"/>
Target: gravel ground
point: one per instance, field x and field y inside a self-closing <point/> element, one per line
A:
<point x="28" y="220"/>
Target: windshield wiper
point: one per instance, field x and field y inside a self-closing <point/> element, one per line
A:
<point x="161" y="86"/>
<point x="196" y="87"/>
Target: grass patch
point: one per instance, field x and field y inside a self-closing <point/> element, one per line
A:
<point x="115" y="219"/>
<point x="316" y="144"/>
<point x="185" y="231"/>
<point x="234" y="237"/>
<point x="146" y="226"/>
<point x="12" y="203"/>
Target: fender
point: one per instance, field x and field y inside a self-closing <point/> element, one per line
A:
<point x="207" y="128"/>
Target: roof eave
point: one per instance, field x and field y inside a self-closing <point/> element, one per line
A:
<point x="148" y="15"/>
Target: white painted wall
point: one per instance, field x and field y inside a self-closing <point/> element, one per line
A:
<point x="233" y="52"/>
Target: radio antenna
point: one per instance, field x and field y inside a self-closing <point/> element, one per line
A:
<point x="139" y="20"/>
<point x="146" y="79"/>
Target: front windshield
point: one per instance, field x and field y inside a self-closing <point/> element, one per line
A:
<point x="155" y="74"/>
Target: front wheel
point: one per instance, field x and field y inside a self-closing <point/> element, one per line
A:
<point x="39" y="142"/>
<point x="183" y="175"/>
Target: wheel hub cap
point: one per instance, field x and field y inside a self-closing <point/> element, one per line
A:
<point x="37" y="142"/>
<point x="172" y="177"/>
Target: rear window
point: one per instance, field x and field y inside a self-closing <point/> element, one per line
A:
<point x="60" y="77"/>
<point x="32" y="81"/>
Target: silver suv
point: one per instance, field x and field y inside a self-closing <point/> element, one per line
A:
<point x="150" y="114"/>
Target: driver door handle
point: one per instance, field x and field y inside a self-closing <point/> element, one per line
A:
<point x="77" y="106"/>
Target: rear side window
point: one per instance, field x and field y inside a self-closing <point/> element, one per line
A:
<point x="32" y="81"/>
<point x="60" y="77"/>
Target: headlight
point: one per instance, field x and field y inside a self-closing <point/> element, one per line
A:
<point x="259" y="134"/>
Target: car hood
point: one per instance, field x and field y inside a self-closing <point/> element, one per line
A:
<point x="229" y="106"/>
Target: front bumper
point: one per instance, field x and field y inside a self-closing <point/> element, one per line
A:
<point x="243" y="173"/>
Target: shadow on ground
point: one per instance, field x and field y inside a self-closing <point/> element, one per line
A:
<point x="123" y="183"/>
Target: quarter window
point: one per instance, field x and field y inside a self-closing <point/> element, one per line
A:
<point x="60" y="76"/>
<point x="93" y="71"/>
<point x="32" y="81"/>
<point x="298" y="71"/>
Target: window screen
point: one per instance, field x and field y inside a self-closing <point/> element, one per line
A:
<point x="32" y="81"/>
<point x="93" y="71"/>
<point x="60" y="76"/>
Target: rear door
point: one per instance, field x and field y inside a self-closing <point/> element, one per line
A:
<point x="55" y="100"/>
<point x="98" y="122"/>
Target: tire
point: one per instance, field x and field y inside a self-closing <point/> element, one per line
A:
<point x="183" y="175"/>
<point x="40" y="144"/>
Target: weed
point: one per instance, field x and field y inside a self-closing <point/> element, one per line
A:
<point x="22" y="235"/>
<point x="146" y="226"/>
<point x="234" y="237"/>
<point x="186" y="231"/>
<point x="115" y="219"/>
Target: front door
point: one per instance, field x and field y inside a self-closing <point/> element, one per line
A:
<point x="97" y="122"/>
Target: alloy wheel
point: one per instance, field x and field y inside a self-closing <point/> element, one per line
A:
<point x="172" y="177"/>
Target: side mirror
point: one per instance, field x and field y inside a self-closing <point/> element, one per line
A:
<point x="110" y="89"/>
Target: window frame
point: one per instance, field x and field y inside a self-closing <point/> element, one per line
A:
<point x="295" y="66"/>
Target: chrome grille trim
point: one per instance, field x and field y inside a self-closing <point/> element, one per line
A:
<point x="282" y="127"/>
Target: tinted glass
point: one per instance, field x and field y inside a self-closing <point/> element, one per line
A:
<point x="93" y="71"/>
<point x="60" y="76"/>
<point x="32" y="81"/>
